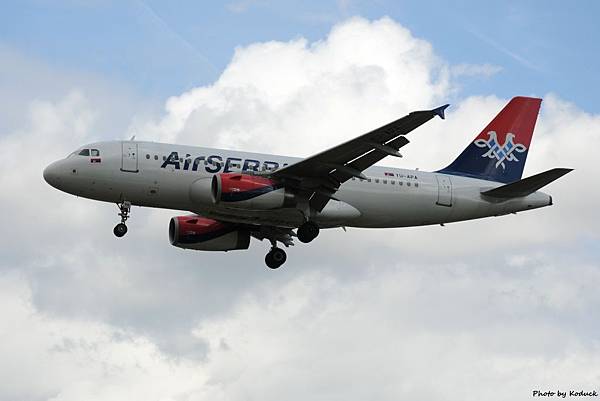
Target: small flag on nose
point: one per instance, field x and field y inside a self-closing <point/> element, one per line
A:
<point x="388" y="174"/>
<point x="95" y="160"/>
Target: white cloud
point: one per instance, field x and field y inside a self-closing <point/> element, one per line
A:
<point x="404" y="331"/>
<point x="421" y="332"/>
<point x="45" y="357"/>
<point x="470" y="70"/>
<point x="472" y="305"/>
<point x="306" y="96"/>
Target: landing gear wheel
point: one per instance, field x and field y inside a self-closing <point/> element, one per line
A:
<point x="120" y="230"/>
<point x="308" y="232"/>
<point x="275" y="258"/>
<point x="124" y="209"/>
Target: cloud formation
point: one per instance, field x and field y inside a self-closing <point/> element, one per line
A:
<point x="304" y="96"/>
<point x="486" y="309"/>
<point x="391" y="333"/>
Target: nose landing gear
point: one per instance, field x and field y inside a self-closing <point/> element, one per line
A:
<point x="120" y="230"/>
<point x="124" y="208"/>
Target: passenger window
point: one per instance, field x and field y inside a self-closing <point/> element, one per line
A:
<point x="400" y="183"/>
<point x="376" y="180"/>
<point x="408" y="184"/>
<point x="147" y="156"/>
<point x="416" y="184"/>
<point x="393" y="182"/>
<point x="385" y="181"/>
<point x="164" y="158"/>
<point x="368" y="180"/>
<point x="84" y="152"/>
<point x="155" y="157"/>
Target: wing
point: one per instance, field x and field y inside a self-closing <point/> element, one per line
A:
<point x="320" y="176"/>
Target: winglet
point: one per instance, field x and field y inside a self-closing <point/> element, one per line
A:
<point x="440" y="111"/>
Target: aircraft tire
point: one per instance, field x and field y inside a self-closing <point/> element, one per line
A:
<point x="308" y="232"/>
<point x="275" y="258"/>
<point x="120" y="230"/>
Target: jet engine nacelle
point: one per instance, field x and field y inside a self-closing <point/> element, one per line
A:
<point x="246" y="191"/>
<point x="203" y="234"/>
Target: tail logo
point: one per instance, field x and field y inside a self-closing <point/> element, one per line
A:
<point x="502" y="153"/>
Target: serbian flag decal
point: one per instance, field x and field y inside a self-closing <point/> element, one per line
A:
<point x="95" y="160"/>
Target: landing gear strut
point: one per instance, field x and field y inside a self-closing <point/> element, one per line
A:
<point x="308" y="232"/>
<point x="124" y="209"/>
<point x="275" y="258"/>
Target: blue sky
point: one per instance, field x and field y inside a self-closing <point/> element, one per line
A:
<point x="163" y="48"/>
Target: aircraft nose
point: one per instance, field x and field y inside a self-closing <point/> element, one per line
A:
<point x="51" y="174"/>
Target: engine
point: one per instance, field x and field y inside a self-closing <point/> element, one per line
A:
<point x="203" y="234"/>
<point x="242" y="191"/>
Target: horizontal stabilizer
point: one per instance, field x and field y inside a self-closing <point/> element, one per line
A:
<point x="527" y="185"/>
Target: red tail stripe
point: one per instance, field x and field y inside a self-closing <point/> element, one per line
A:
<point x="517" y="117"/>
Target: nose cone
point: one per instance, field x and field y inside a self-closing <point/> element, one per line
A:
<point x="51" y="175"/>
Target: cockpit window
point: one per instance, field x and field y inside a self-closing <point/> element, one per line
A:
<point x="84" y="152"/>
<point x="95" y="152"/>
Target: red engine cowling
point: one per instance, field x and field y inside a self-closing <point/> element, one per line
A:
<point x="203" y="234"/>
<point x="249" y="192"/>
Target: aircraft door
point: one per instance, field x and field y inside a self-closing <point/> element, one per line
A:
<point x="129" y="161"/>
<point x="444" y="190"/>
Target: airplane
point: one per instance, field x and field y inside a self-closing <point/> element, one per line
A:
<point x="234" y="196"/>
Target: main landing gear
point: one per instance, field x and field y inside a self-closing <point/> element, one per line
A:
<point x="308" y="232"/>
<point x="124" y="209"/>
<point x="275" y="258"/>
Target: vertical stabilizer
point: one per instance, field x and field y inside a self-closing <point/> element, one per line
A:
<point x="499" y="152"/>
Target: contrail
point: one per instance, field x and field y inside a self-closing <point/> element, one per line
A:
<point x="517" y="57"/>
<point x="158" y="19"/>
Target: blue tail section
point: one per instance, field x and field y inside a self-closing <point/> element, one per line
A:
<point x="499" y="152"/>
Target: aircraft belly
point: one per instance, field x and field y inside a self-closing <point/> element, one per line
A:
<point x="285" y="217"/>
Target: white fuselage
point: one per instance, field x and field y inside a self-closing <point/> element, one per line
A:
<point x="391" y="197"/>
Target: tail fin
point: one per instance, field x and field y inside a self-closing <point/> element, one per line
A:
<point x="499" y="152"/>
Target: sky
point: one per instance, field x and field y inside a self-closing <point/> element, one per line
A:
<point x="488" y="309"/>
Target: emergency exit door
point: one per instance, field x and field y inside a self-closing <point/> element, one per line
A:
<point x="444" y="190"/>
<point x="129" y="162"/>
